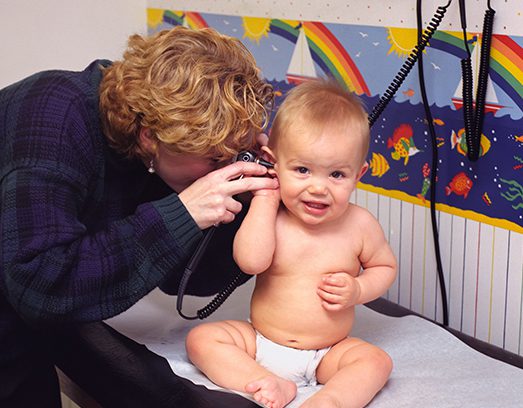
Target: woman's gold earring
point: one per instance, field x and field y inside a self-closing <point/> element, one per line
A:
<point x="151" y="167"/>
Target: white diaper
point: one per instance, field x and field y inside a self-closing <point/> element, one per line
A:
<point x="292" y="364"/>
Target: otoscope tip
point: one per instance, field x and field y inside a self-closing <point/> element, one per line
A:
<point x="265" y="163"/>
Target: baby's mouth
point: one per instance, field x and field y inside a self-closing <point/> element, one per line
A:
<point x="315" y="206"/>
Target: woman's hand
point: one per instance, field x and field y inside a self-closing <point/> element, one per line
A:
<point x="210" y="200"/>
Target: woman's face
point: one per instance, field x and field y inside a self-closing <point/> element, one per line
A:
<point x="178" y="170"/>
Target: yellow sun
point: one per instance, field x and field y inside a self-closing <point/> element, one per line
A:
<point x="402" y="40"/>
<point x="154" y="17"/>
<point x="255" y="28"/>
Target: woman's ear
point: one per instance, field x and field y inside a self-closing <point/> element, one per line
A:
<point x="147" y="142"/>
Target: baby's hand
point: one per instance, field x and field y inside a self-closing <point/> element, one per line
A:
<point x="338" y="291"/>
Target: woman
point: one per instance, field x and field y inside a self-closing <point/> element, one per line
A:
<point x="108" y="177"/>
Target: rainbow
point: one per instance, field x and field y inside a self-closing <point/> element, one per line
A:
<point x="326" y="51"/>
<point x="193" y="20"/>
<point x="506" y="60"/>
<point x="449" y="42"/>
<point x="506" y="67"/>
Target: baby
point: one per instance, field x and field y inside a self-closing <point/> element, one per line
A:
<point x="315" y="256"/>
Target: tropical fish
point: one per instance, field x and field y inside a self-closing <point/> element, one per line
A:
<point x="403" y="142"/>
<point x="436" y="121"/>
<point x="425" y="170"/>
<point x="409" y="92"/>
<point x="519" y="138"/>
<point x="459" y="185"/>
<point x="459" y="141"/>
<point x="424" y="189"/>
<point x="378" y="165"/>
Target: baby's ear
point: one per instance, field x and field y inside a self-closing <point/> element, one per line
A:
<point x="363" y="170"/>
<point x="267" y="154"/>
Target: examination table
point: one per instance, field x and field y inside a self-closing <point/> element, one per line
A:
<point x="137" y="359"/>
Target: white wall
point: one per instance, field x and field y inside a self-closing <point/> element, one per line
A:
<point x="64" y="34"/>
<point x="394" y="13"/>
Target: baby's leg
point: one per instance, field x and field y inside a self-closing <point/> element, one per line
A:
<point x="352" y="372"/>
<point x="225" y="352"/>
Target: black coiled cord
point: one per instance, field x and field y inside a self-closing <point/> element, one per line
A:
<point x="486" y="41"/>
<point x="473" y="116"/>
<point x="191" y="266"/>
<point x="468" y="109"/>
<point x="408" y="64"/>
<point x="220" y="298"/>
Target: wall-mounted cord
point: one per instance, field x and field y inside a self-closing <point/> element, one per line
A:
<point x="433" y="174"/>
<point x="481" y="92"/>
<point x="424" y="37"/>
<point x="407" y="66"/>
<point x="467" y="90"/>
<point x="473" y="117"/>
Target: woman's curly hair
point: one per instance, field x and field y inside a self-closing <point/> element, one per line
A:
<point x="198" y="91"/>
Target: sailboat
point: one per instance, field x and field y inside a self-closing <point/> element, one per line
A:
<point x="185" y="22"/>
<point x="491" y="100"/>
<point x="301" y="67"/>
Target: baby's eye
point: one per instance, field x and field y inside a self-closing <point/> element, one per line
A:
<point x="337" y="174"/>
<point x="302" y="170"/>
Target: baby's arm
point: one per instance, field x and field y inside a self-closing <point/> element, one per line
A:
<point x="340" y="290"/>
<point x="377" y="260"/>
<point x="255" y="241"/>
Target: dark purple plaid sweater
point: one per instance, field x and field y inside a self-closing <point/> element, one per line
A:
<point x="84" y="233"/>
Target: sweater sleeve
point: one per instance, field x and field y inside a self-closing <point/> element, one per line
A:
<point x="53" y="269"/>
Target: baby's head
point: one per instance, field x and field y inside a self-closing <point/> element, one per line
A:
<point x="317" y="107"/>
<point x="319" y="142"/>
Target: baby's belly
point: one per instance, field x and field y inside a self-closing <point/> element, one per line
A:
<point x="294" y="317"/>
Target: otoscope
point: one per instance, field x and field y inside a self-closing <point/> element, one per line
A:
<point x="221" y="297"/>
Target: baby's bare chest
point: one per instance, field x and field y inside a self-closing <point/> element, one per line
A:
<point x="316" y="255"/>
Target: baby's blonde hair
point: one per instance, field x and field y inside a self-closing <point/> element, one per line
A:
<point x="316" y="104"/>
<point x="198" y="91"/>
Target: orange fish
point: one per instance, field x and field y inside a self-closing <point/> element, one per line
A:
<point x="519" y="138"/>
<point x="460" y="185"/>
<point x="409" y="92"/>
<point x="402" y="141"/>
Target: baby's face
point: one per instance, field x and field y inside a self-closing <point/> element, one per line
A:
<point x="318" y="173"/>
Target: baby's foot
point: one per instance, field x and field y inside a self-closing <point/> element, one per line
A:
<point x="272" y="391"/>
